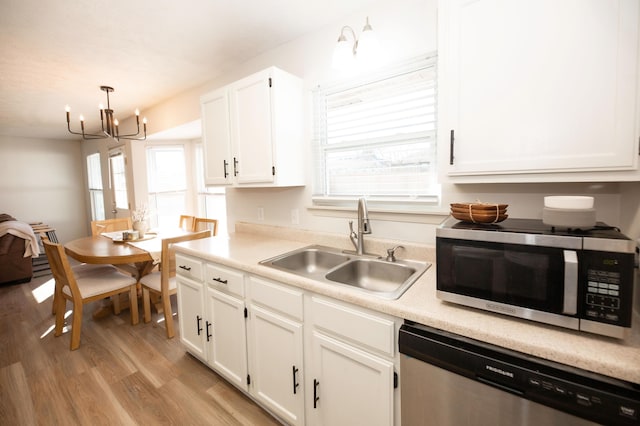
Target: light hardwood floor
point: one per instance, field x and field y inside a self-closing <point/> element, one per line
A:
<point x="121" y="374"/>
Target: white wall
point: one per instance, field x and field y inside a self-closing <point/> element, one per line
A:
<point x="405" y="28"/>
<point x="42" y="181"/>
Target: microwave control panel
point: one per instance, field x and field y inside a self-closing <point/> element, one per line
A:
<point x="608" y="289"/>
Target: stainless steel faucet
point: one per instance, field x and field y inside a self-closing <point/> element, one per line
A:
<point x="363" y="227"/>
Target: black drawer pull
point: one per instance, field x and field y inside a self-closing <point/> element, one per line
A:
<point x="316" y="398"/>
<point x="220" y="280"/>
<point x="186" y="268"/>
<point x="295" y="379"/>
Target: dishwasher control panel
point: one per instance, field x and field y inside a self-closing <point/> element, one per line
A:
<point x="581" y="399"/>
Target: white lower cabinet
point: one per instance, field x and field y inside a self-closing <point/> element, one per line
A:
<point x="350" y="386"/>
<point x="352" y="376"/>
<point x="191" y="315"/>
<point x="227" y="345"/>
<point x="212" y="319"/>
<point x="276" y="357"/>
<point x="191" y="304"/>
<point x="308" y="360"/>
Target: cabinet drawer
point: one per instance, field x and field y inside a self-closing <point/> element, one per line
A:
<point x="354" y="324"/>
<point x="189" y="267"/>
<point x="225" y="279"/>
<point x="277" y="297"/>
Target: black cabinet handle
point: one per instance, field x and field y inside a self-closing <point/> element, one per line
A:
<point x="451" y="141"/>
<point x="186" y="268"/>
<point x="224" y="165"/>
<point x="316" y="398"/>
<point x="295" y="379"/>
<point x="220" y="280"/>
<point x="208" y="332"/>
<point x="235" y="166"/>
<point x="198" y="320"/>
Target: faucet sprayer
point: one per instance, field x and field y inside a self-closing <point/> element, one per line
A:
<point x="364" y="227"/>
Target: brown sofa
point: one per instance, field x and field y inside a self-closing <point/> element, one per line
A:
<point x="14" y="267"/>
<point x="16" y="240"/>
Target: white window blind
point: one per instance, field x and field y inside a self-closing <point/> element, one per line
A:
<point x="377" y="137"/>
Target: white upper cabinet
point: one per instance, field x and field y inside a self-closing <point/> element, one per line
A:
<point x="216" y="134"/>
<point x="541" y="89"/>
<point x="252" y="131"/>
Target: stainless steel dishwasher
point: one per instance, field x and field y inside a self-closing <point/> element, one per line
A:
<point x="448" y="379"/>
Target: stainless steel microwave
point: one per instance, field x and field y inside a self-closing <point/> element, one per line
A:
<point x="578" y="279"/>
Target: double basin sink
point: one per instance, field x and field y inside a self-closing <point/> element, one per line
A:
<point x="377" y="276"/>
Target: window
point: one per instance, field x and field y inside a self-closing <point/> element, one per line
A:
<point x="119" y="180"/>
<point x="167" y="184"/>
<point x="94" y="182"/>
<point x="377" y="137"/>
<point x="211" y="200"/>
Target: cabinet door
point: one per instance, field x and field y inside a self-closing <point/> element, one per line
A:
<point x="349" y="386"/>
<point x="539" y="86"/>
<point x="216" y="137"/>
<point x="275" y="364"/>
<point x="191" y="316"/>
<point x="227" y="350"/>
<point x="250" y="104"/>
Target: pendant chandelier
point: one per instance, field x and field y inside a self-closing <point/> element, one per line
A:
<point x="109" y="124"/>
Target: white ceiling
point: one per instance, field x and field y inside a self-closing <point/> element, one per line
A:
<point x="54" y="53"/>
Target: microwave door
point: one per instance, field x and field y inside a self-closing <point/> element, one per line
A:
<point x="517" y="275"/>
<point x="477" y="271"/>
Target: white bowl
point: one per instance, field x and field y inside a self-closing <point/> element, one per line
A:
<point x="574" y="202"/>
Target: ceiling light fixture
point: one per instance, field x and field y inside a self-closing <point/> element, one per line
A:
<point x="365" y="48"/>
<point x="109" y="124"/>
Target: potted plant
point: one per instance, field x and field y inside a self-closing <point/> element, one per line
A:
<point x="140" y="220"/>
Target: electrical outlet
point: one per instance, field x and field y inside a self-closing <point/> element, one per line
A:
<point x="261" y="213"/>
<point x="295" y="216"/>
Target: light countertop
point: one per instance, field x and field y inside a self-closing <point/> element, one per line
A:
<point x="251" y="244"/>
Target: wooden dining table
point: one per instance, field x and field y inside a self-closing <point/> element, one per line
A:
<point x="137" y="258"/>
<point x="103" y="250"/>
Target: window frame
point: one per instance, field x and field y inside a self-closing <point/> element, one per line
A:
<point x="320" y="146"/>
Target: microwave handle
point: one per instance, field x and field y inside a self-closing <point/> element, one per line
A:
<point x="570" y="301"/>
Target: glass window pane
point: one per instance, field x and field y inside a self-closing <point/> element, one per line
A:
<point x="166" y="169"/>
<point x="94" y="171"/>
<point x="385" y="170"/>
<point x="119" y="181"/>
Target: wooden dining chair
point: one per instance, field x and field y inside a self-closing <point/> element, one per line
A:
<point x="84" y="287"/>
<point x="202" y="223"/>
<point x="110" y="225"/>
<point x="163" y="282"/>
<point x="80" y="270"/>
<point x="186" y="222"/>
